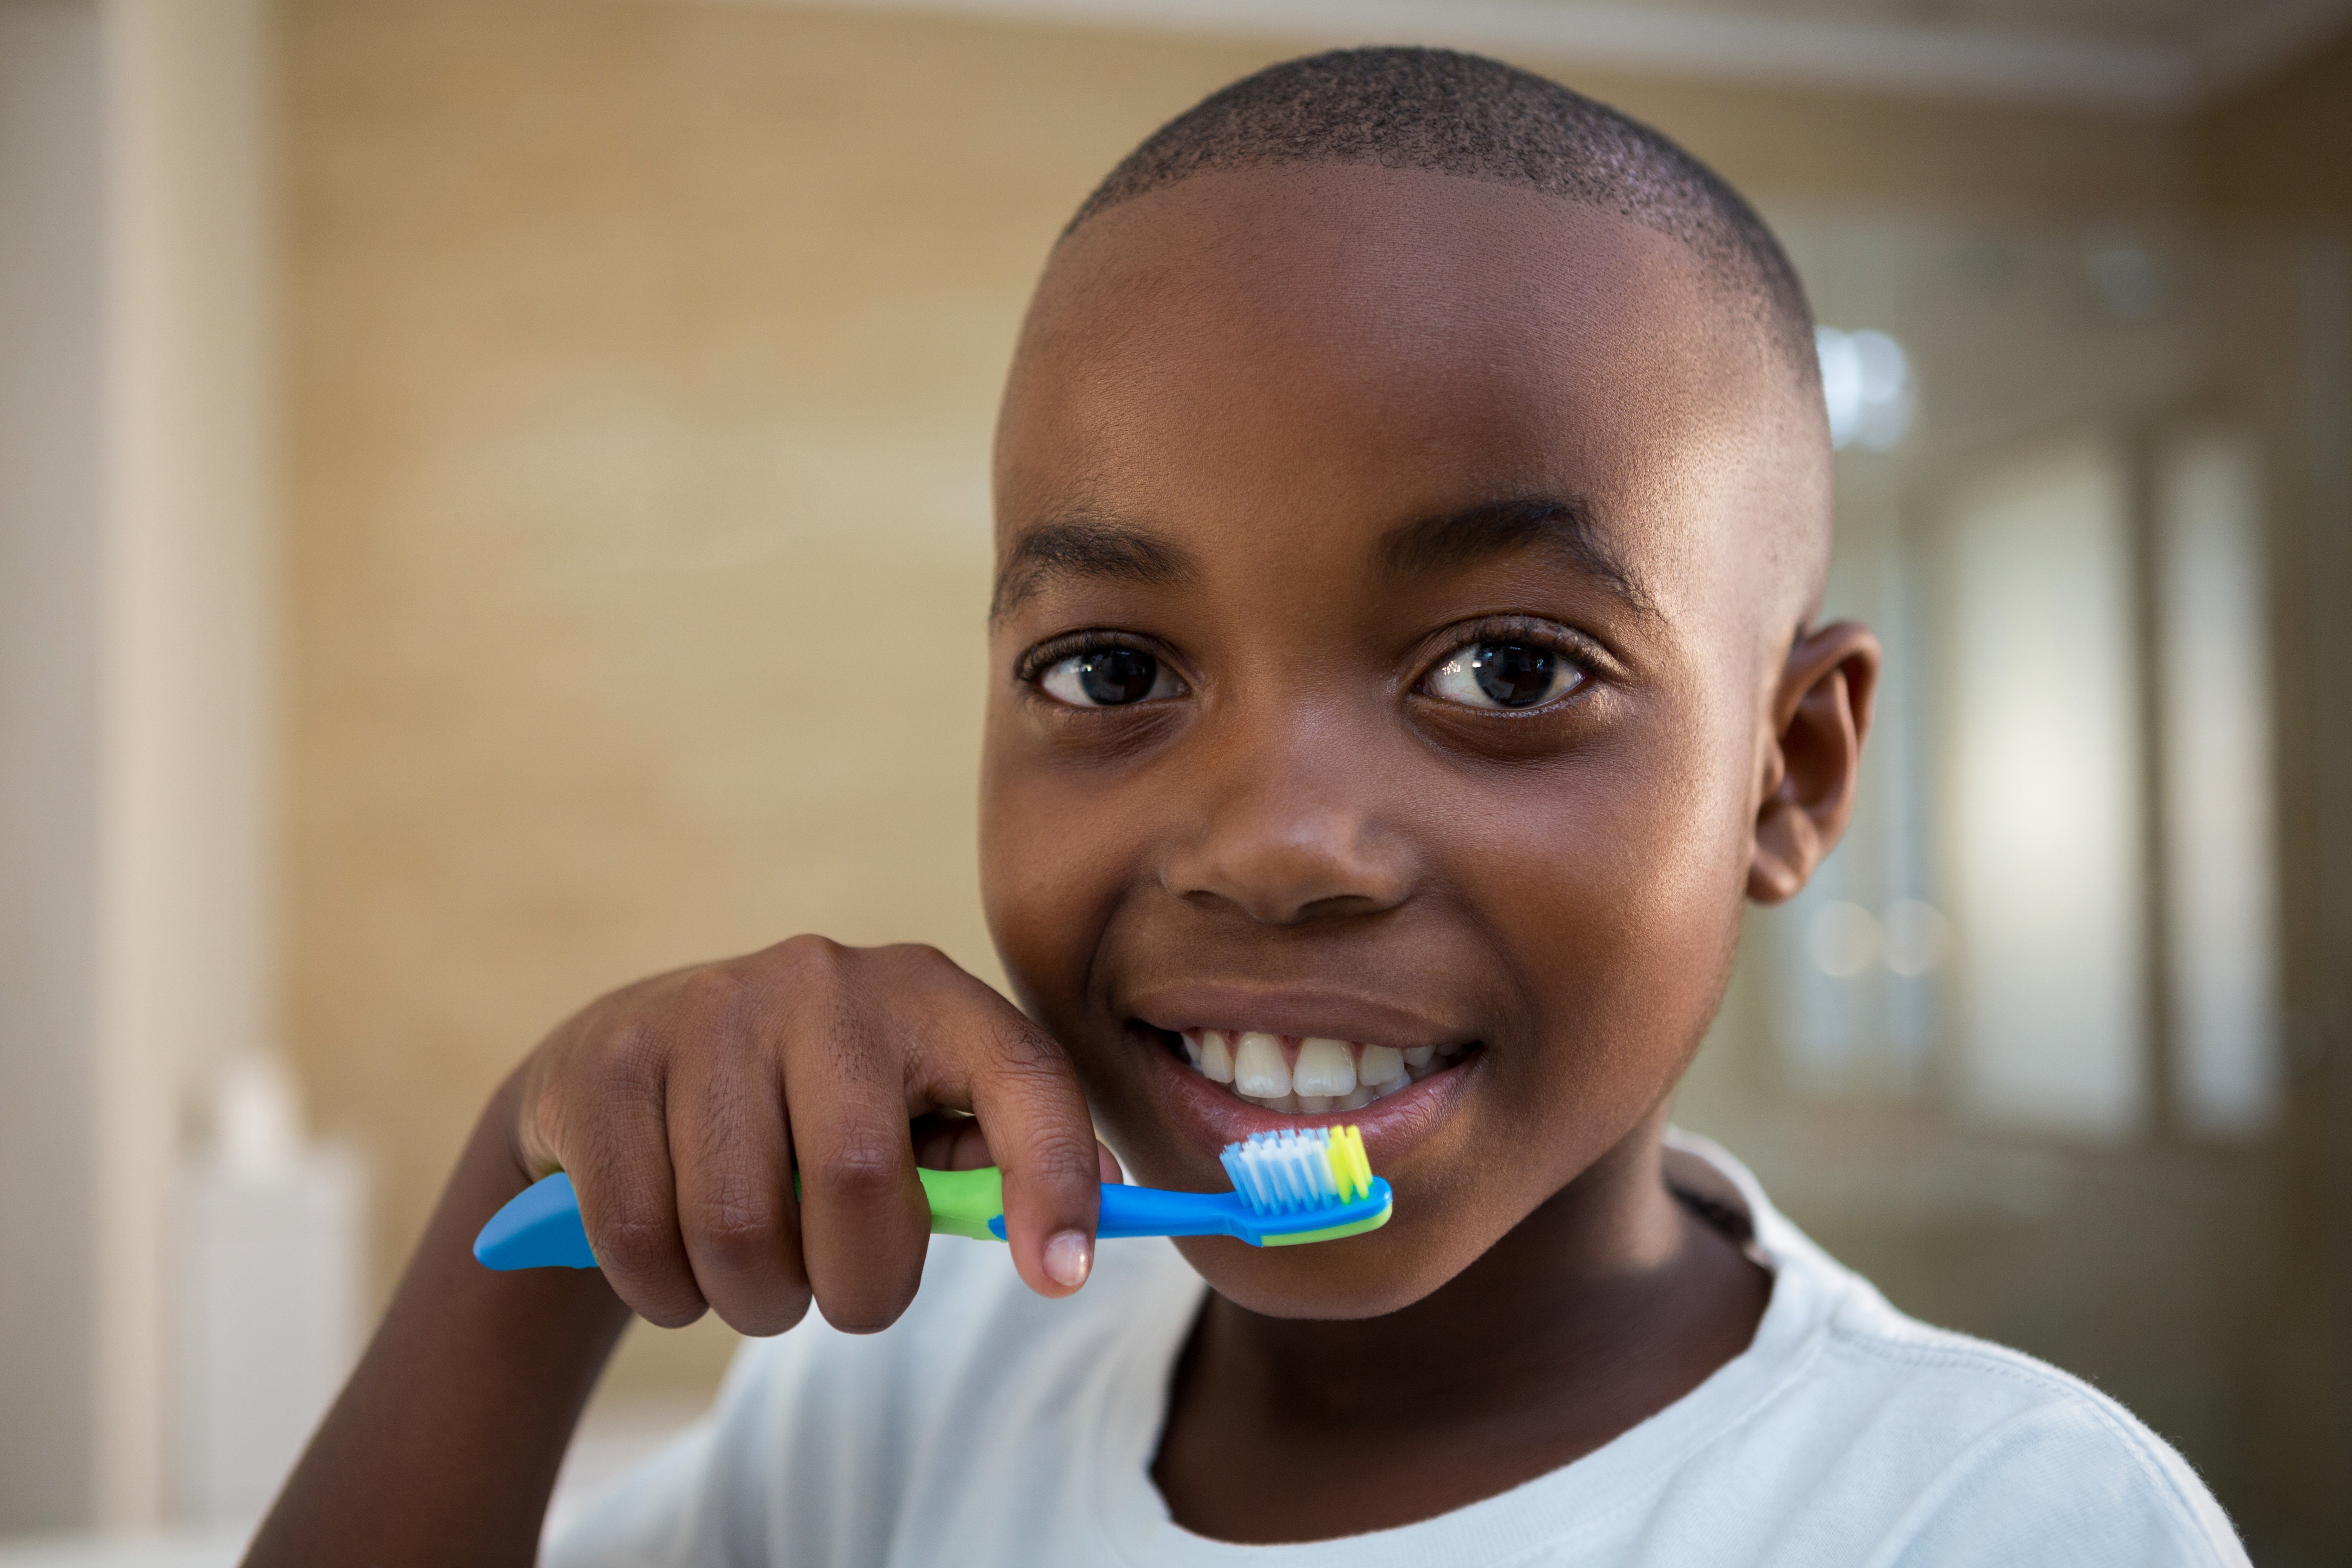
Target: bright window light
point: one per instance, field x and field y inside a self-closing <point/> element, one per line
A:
<point x="2045" y="794"/>
<point x="1866" y="381"/>
<point x="1844" y="939"/>
<point x="2221" y="886"/>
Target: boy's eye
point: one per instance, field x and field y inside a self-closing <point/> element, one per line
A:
<point x="1504" y="674"/>
<point x="1107" y="678"/>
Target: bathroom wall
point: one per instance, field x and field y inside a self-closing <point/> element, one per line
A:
<point x="136" y="769"/>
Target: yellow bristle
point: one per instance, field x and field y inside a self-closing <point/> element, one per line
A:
<point x="1351" y="1169"/>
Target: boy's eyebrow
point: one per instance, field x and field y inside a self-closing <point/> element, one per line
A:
<point x="1563" y="525"/>
<point x="1086" y="548"/>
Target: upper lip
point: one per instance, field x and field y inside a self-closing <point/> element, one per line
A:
<point x="1290" y="1010"/>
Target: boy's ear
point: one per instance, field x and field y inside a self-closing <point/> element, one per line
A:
<point x="1819" y="714"/>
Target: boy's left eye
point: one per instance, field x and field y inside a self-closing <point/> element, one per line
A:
<point x="1504" y="674"/>
<point x="1107" y="678"/>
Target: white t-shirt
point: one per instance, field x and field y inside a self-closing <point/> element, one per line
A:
<point x="991" y="1426"/>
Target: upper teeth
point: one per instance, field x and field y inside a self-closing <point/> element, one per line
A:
<point x="1324" y="1067"/>
<point x="1312" y="1074"/>
<point x="1258" y="1067"/>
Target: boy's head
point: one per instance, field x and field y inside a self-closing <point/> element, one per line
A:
<point x="1412" y="504"/>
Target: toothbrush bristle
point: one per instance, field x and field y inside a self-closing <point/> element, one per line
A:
<point x="1286" y="1172"/>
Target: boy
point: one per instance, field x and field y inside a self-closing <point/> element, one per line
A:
<point x="1412" y="508"/>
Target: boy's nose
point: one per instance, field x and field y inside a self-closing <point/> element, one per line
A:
<point x="1289" y="843"/>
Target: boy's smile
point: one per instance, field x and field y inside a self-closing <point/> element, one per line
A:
<point x="1398" y="575"/>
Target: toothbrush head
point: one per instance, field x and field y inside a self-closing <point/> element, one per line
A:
<point x="1312" y="1185"/>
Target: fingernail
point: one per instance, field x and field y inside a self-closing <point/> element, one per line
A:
<point x="1069" y="1258"/>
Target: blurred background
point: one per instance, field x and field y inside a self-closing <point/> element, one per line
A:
<point x="458" y="458"/>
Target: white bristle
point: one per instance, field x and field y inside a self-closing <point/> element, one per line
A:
<point x="1282" y="1172"/>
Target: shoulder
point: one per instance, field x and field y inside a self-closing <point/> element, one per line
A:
<point x="2016" y="1460"/>
<point x="1984" y="1453"/>
<point x="1922" y="1446"/>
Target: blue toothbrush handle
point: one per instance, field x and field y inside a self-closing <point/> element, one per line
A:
<point x="540" y="1228"/>
<point x="1151" y="1211"/>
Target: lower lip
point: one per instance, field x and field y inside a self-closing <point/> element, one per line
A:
<point x="1212" y="1116"/>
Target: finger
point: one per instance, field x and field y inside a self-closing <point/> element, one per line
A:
<point x="863" y="1221"/>
<point x="1027" y="1097"/>
<point x="619" y="1161"/>
<point x="736" y="1213"/>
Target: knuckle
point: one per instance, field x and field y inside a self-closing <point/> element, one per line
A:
<point x="1031" y="1067"/>
<point x="1029" y="1053"/>
<point x="918" y="956"/>
<point x="714" y="992"/>
<point x="638" y="1245"/>
<point x="636" y="1058"/>
<point x="862" y="1167"/>
<point x="739" y="1228"/>
<point x="639" y="1259"/>
<point x="1059" y="1157"/>
<point x="806" y="960"/>
<point x="807" y="979"/>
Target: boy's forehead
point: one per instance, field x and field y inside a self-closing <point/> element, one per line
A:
<point x="1364" y="345"/>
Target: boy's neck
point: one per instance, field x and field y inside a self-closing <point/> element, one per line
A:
<point x="1607" y="1303"/>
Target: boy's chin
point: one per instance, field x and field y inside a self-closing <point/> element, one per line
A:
<point x="1366" y="1276"/>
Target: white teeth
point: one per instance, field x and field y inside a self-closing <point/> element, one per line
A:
<point x="1324" y="1070"/>
<point x="1259" y="1070"/>
<point x="1216" y="1056"/>
<point x="1324" y="1075"/>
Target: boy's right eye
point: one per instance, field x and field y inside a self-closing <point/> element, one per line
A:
<point x="1107" y="678"/>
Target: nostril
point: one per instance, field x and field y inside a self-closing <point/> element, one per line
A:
<point x="1283" y="864"/>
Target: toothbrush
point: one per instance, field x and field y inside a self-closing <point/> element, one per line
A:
<point x="1296" y="1185"/>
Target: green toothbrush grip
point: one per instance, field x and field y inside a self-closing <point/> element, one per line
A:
<point x="963" y="1201"/>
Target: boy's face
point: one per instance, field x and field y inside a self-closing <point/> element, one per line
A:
<point x="1397" y="575"/>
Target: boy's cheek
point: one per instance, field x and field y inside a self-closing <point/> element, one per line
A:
<point x="1048" y="875"/>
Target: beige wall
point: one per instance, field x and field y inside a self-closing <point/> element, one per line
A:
<point x="640" y="364"/>
<point x="643" y="362"/>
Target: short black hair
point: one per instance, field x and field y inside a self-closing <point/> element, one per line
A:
<point x="1447" y="113"/>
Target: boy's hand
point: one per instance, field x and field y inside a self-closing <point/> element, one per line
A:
<point x="682" y="1106"/>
